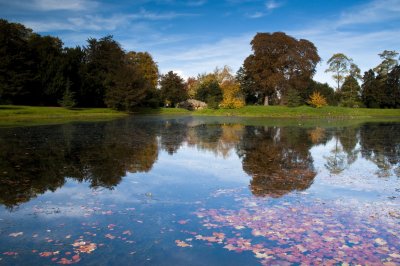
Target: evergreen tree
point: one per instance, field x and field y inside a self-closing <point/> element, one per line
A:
<point x="370" y="90"/>
<point x="68" y="99"/>
<point x="104" y="60"/>
<point x="293" y="98"/>
<point x="172" y="89"/>
<point x="350" y="93"/>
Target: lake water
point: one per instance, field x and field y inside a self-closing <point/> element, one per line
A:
<point x="200" y="191"/>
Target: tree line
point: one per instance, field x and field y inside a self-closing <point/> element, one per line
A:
<point x="39" y="70"/>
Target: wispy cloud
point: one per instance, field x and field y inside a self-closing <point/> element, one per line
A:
<point x="196" y="3"/>
<point x="204" y="58"/>
<point x="256" y="15"/>
<point x="73" y="5"/>
<point x="269" y="7"/>
<point x="375" y="11"/>
<point x="50" y="5"/>
<point x="272" y="4"/>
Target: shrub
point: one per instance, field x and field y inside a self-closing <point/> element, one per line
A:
<point x="317" y="100"/>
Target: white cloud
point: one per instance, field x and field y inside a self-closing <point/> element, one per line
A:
<point x="272" y="4"/>
<point x="73" y="5"/>
<point x="375" y="11"/>
<point x="256" y="15"/>
<point x="204" y="58"/>
<point x="196" y="3"/>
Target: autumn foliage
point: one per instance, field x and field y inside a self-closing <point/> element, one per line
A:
<point x="317" y="100"/>
<point x="232" y="97"/>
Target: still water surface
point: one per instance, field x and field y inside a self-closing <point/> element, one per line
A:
<point x="200" y="191"/>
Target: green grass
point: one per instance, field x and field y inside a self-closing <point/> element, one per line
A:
<point x="302" y="112"/>
<point x="13" y="115"/>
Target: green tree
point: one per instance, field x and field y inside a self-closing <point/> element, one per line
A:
<point x="104" y="59"/>
<point x="71" y="66"/>
<point x="49" y="78"/>
<point x="172" y="89"/>
<point x="247" y="86"/>
<point x="293" y="98"/>
<point x="339" y="65"/>
<point x="350" y="93"/>
<point x="393" y="88"/>
<point x="280" y="62"/>
<point x="323" y="88"/>
<point x="209" y="91"/>
<point x="16" y="64"/>
<point x="68" y="99"/>
<point x="129" y="89"/>
<point x="389" y="61"/>
<point x="370" y="90"/>
<point x="148" y="70"/>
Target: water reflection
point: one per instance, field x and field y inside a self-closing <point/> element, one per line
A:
<point x="37" y="159"/>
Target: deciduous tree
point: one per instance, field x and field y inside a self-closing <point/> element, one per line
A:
<point x="339" y="65"/>
<point x="280" y="62"/>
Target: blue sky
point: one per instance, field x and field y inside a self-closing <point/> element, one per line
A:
<point x="195" y="36"/>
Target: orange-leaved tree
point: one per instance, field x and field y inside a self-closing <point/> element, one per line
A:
<point x="317" y="100"/>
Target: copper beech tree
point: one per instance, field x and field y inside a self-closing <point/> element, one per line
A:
<point x="280" y="62"/>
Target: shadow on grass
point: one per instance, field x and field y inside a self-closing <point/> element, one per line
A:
<point x="10" y="107"/>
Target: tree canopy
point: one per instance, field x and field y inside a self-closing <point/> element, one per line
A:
<point x="280" y="62"/>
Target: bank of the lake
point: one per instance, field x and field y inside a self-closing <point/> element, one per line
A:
<point x="303" y="112"/>
<point x="13" y="115"/>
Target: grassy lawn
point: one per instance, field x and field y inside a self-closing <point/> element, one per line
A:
<point x="12" y="115"/>
<point x="302" y="112"/>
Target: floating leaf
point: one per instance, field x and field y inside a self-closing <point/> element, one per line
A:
<point x="46" y="254"/>
<point x="380" y="241"/>
<point x="182" y="244"/>
<point x="110" y="236"/>
<point x="10" y="253"/>
<point x="87" y="248"/>
<point x="16" y="234"/>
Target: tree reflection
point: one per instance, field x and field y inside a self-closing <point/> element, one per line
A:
<point x="34" y="160"/>
<point x="380" y="143"/>
<point x="278" y="160"/>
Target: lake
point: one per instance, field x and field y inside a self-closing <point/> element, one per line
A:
<point x="200" y="191"/>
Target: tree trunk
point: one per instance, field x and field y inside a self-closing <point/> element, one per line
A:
<point x="266" y="100"/>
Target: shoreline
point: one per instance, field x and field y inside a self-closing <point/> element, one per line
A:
<point x="12" y="115"/>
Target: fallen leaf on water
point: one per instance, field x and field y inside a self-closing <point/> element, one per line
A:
<point x="182" y="244"/>
<point x="16" y="234"/>
<point x="65" y="261"/>
<point x="87" y="248"/>
<point x="46" y="254"/>
<point x="68" y="237"/>
<point x="111" y="226"/>
<point x="127" y="232"/>
<point x="78" y="244"/>
<point x="183" y="221"/>
<point x="262" y="256"/>
<point x="76" y="258"/>
<point x="380" y="241"/>
<point x="230" y="247"/>
<point x="10" y="253"/>
<point x="110" y="236"/>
